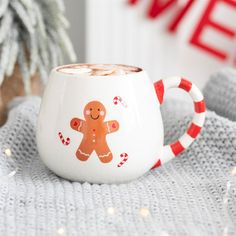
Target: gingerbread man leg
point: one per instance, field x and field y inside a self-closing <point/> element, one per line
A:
<point x="84" y="151"/>
<point x="104" y="153"/>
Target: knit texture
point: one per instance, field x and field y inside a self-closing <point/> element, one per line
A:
<point x="220" y="93"/>
<point x="183" y="197"/>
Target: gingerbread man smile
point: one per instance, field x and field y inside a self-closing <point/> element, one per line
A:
<point x="94" y="118"/>
<point x="94" y="131"/>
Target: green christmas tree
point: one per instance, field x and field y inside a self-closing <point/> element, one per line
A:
<point x="33" y="35"/>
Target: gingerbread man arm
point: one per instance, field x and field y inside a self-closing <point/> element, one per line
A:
<point x="111" y="126"/>
<point x="77" y="124"/>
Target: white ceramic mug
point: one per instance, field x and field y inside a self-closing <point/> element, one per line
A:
<point x="108" y="129"/>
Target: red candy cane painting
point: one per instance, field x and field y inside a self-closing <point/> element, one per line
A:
<point x="63" y="140"/>
<point x="119" y="99"/>
<point x="124" y="157"/>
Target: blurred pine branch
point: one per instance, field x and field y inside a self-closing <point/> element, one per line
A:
<point x="33" y="35"/>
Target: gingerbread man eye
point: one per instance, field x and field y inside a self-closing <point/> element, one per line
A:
<point x="91" y="109"/>
<point x="98" y="109"/>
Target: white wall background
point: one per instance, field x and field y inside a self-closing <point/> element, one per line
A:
<point x="110" y="31"/>
<point x="75" y="12"/>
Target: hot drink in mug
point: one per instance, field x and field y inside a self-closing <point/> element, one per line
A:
<point x="102" y="123"/>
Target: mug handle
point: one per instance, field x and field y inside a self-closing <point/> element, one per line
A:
<point x="177" y="147"/>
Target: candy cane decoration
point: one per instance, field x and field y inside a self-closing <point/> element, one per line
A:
<point x="125" y="158"/>
<point x="65" y="142"/>
<point x="172" y="150"/>
<point x="118" y="99"/>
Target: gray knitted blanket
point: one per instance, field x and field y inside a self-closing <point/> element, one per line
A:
<point x="195" y="194"/>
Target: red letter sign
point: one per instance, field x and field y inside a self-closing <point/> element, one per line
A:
<point x="205" y="22"/>
<point x="132" y="2"/>
<point x="174" y="24"/>
<point x="157" y="8"/>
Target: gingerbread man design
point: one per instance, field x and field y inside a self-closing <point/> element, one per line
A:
<point x="94" y="131"/>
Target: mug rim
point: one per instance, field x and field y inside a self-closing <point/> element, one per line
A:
<point x="56" y="70"/>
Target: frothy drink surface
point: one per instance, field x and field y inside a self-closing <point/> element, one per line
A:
<point x="98" y="69"/>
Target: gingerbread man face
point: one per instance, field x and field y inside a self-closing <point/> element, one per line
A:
<point x="94" y="131"/>
<point x="94" y="111"/>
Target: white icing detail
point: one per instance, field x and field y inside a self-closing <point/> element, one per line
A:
<point x="108" y="128"/>
<point x="80" y="125"/>
<point x="85" y="154"/>
<point x="106" y="155"/>
<point x="102" y="113"/>
<point x="87" y="112"/>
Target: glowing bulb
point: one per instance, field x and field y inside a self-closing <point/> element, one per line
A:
<point x="228" y="185"/>
<point x="225" y="200"/>
<point x="8" y="152"/>
<point x="164" y="233"/>
<point x="110" y="210"/>
<point x="144" y="212"/>
<point x="61" y="231"/>
<point x="233" y="172"/>
<point x="225" y="233"/>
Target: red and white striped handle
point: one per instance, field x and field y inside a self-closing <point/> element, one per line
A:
<point x="175" y="148"/>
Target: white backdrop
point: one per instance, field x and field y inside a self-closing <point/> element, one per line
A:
<point x="119" y="33"/>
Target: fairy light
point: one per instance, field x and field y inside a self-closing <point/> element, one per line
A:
<point x="61" y="231"/>
<point x="233" y="172"/>
<point x="8" y="152"/>
<point x="226" y="200"/>
<point x="164" y="233"/>
<point x="111" y="210"/>
<point x="226" y="197"/>
<point x="144" y="212"/>
<point x="225" y="232"/>
<point x="12" y="167"/>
